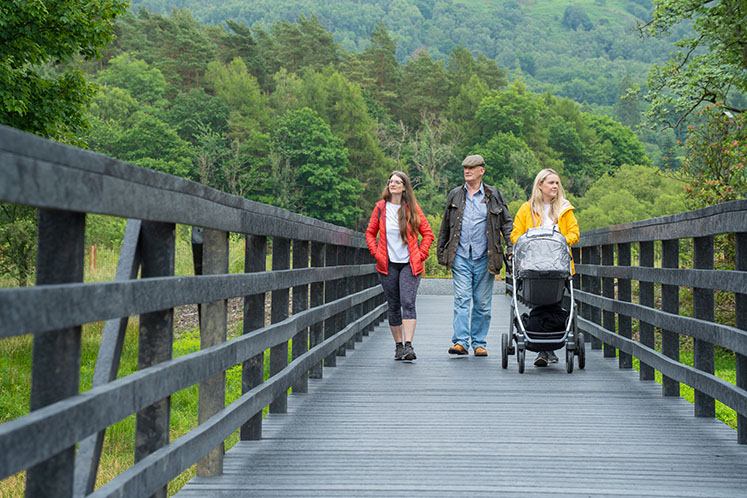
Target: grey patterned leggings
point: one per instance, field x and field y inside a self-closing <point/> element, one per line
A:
<point x="400" y="288"/>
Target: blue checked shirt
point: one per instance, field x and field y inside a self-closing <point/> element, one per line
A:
<point x="474" y="232"/>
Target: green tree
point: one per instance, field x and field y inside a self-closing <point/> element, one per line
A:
<point x="716" y="157"/>
<point x="514" y="110"/>
<point x="249" y="114"/>
<point x="628" y="107"/>
<point x="711" y="65"/>
<point x="575" y="17"/>
<point x="195" y="109"/>
<point x="145" y="83"/>
<point x="382" y="66"/>
<point x="304" y="43"/>
<point x="425" y="87"/>
<point x="631" y="193"/>
<point x="615" y="144"/>
<point x="41" y="91"/>
<point x="149" y="142"/>
<point x="317" y="181"/>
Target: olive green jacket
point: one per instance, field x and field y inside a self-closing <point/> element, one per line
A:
<point x="499" y="222"/>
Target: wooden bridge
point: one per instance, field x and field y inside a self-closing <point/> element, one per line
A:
<point x="358" y="423"/>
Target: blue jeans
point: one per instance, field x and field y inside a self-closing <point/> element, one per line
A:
<point x="473" y="285"/>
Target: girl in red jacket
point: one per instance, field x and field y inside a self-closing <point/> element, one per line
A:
<point x="398" y="219"/>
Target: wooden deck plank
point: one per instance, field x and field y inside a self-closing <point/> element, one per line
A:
<point x="463" y="426"/>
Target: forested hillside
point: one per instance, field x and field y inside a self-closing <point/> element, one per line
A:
<point x="580" y="49"/>
<point x="285" y="116"/>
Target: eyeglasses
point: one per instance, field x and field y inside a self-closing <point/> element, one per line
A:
<point x="395" y="182"/>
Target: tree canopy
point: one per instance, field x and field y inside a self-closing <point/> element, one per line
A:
<point x="41" y="90"/>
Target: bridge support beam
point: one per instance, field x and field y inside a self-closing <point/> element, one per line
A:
<point x="155" y="343"/>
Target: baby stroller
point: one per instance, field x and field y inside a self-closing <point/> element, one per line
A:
<point x="541" y="279"/>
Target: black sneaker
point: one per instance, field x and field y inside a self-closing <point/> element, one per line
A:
<point x="399" y="351"/>
<point x="552" y="357"/>
<point x="541" y="360"/>
<point x="409" y="352"/>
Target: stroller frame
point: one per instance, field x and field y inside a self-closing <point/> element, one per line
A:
<point x="519" y="340"/>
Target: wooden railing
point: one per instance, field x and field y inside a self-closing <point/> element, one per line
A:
<point x="606" y="272"/>
<point x="336" y="300"/>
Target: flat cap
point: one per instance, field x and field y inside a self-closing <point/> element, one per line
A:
<point x="473" y="160"/>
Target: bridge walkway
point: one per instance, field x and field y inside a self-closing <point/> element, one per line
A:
<point x="463" y="426"/>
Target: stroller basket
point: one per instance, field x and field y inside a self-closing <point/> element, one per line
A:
<point x="540" y="291"/>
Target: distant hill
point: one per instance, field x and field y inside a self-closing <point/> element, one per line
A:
<point x="580" y="49"/>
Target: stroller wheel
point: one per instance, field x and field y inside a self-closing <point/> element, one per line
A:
<point x="504" y="350"/>
<point x="520" y="356"/>
<point x="568" y="360"/>
<point x="581" y="351"/>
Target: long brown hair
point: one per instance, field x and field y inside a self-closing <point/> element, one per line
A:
<point x="409" y="215"/>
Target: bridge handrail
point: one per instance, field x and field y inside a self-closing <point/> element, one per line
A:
<point x="605" y="273"/>
<point x="336" y="301"/>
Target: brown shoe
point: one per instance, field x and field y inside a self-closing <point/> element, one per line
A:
<point x="481" y="351"/>
<point x="458" y="349"/>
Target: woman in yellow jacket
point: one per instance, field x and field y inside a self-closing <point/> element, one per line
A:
<point x="547" y="207"/>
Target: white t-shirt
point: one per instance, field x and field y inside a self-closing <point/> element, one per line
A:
<point x="546" y="220"/>
<point x="398" y="252"/>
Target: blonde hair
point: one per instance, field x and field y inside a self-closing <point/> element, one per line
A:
<point x="409" y="215"/>
<point x="537" y="202"/>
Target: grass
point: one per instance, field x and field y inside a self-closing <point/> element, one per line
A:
<point x="118" y="449"/>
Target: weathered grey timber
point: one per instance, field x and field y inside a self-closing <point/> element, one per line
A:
<point x="65" y="184"/>
<point x="666" y="235"/>
<point x="463" y="426"/>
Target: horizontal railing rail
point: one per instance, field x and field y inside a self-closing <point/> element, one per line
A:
<point x="326" y="269"/>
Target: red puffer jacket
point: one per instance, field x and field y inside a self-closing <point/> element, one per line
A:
<point x="418" y="254"/>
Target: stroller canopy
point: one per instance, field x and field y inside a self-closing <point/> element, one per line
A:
<point x="542" y="253"/>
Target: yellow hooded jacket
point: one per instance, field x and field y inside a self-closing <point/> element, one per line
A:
<point x="567" y="224"/>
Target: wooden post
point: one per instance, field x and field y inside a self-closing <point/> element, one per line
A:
<point x="608" y="290"/>
<point x="703" y="351"/>
<point x="278" y="313"/>
<point x="252" y="370"/>
<point x="358" y="258"/>
<point x="316" y="331"/>
<point x="55" y="367"/>
<point x="156" y="339"/>
<point x="213" y="327"/>
<point x="330" y="294"/>
<point x="624" y="293"/>
<point x="348" y="285"/>
<point x="646" y="298"/>
<point x="595" y="287"/>
<point x="670" y="302"/>
<point x="300" y="303"/>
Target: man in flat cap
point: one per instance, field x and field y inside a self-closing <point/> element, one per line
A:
<point x="469" y="245"/>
